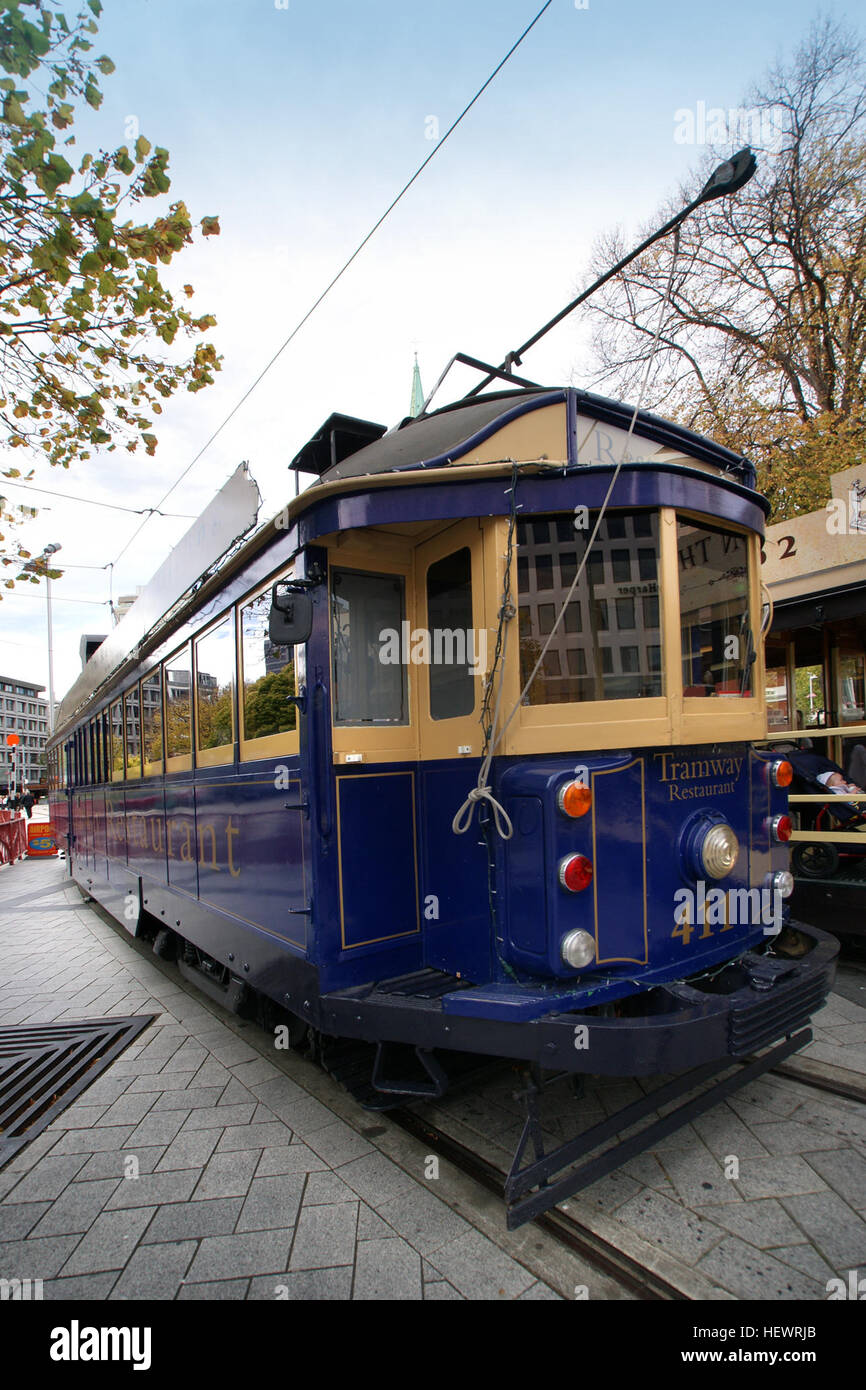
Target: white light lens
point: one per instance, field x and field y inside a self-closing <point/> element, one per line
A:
<point x="719" y="851"/>
<point x="578" y="949"/>
<point x="783" y="883"/>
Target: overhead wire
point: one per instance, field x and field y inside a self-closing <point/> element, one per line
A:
<point x="339" y="275"/>
<point x="92" y="502"/>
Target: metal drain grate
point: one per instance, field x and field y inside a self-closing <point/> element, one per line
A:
<point x="43" y="1070"/>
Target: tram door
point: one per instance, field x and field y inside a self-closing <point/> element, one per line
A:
<point x="374" y="734"/>
<point x="450" y="591"/>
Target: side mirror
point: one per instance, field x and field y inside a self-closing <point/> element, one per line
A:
<point x="291" y="616"/>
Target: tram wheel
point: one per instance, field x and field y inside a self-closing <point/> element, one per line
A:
<point x="815" y="860"/>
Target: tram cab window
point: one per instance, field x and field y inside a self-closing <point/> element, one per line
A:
<point x="778" y="701"/>
<point x="450" y="628"/>
<point x="367" y="613"/>
<point x="717" y="641"/>
<point x="607" y="645"/>
<point x="268" y="675"/>
<point x="116" y="736"/>
<point x="214" y="689"/>
<point x="177" y="684"/>
<point x="132" y="721"/>
<point x="151" y="722"/>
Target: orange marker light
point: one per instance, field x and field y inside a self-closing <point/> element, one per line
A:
<point x="574" y="799"/>
<point x="782" y="774"/>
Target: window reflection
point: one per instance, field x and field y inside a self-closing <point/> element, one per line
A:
<point x="607" y="645"/>
<point x="717" y="641"/>
<point x="215" y="678"/>
<point x="268" y="674"/>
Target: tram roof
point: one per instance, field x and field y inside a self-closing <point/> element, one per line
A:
<point x="449" y="434"/>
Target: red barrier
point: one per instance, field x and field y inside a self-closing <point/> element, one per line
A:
<point x="13" y="840"/>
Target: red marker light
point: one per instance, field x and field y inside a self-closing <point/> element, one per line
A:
<point x="782" y="774"/>
<point x="575" y="873"/>
<point x="782" y="828"/>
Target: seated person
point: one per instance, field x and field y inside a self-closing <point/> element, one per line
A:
<point x="814" y="767"/>
<point x="813" y="770"/>
<point x="857" y="764"/>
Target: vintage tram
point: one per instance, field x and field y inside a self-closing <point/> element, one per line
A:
<point x="456" y="756"/>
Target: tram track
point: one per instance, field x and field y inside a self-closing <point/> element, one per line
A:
<point x="565" y="1228"/>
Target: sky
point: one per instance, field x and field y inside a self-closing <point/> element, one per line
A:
<point x="297" y="123"/>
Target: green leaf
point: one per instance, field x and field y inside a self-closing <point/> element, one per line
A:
<point x="13" y="112"/>
<point x="142" y="149"/>
<point x="53" y="173"/>
<point x="92" y="95"/>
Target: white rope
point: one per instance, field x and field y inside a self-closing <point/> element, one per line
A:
<point x="481" y="791"/>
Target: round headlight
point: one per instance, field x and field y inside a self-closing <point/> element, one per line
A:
<point x="578" y="949"/>
<point x="719" y="851"/>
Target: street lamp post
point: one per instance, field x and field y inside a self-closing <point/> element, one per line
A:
<point x="50" y="550"/>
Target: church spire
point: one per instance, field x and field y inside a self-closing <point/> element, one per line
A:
<point x="417" y="391"/>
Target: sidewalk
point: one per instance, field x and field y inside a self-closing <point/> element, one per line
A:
<point x="248" y="1179"/>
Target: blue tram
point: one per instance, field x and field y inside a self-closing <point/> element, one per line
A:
<point x="456" y="756"/>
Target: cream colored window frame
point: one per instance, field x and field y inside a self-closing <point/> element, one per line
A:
<point x="155" y="768"/>
<point x="177" y="762"/>
<point x="288" y="743"/>
<point x="379" y="554"/>
<point x="227" y="752"/>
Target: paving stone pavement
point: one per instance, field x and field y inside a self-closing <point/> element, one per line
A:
<point x="193" y="1168"/>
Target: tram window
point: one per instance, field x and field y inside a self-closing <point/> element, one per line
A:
<point x="778" y="703"/>
<point x="716" y="638"/>
<point x="116" y="736"/>
<point x="132" y="722"/>
<point x="106" y="745"/>
<point x="177" y="684"/>
<point x="367" y="612"/>
<point x="268" y="675"/>
<point x="95" y="760"/>
<point x="215" y="679"/>
<point x="809" y="696"/>
<point x="576" y="667"/>
<point x="451" y="635"/>
<point x="852" y="688"/>
<point x="151" y="722"/>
